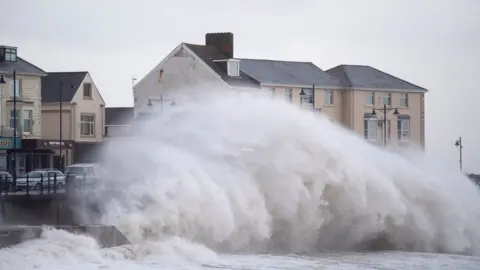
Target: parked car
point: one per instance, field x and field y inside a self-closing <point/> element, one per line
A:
<point x="82" y="174"/>
<point x="36" y="178"/>
<point x="6" y="181"/>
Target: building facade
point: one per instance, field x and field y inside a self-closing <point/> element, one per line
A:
<point x="73" y="117"/>
<point x="347" y="94"/>
<point x="20" y="113"/>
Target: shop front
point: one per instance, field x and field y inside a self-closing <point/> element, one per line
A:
<point x="6" y="144"/>
<point x="59" y="160"/>
<point x="28" y="157"/>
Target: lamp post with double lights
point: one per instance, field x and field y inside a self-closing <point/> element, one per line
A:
<point x="459" y="145"/>
<point x="385" y="110"/>
<point x="312" y="97"/>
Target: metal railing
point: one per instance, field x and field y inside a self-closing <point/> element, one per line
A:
<point x="11" y="185"/>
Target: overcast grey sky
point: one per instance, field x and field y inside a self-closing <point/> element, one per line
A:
<point x="432" y="43"/>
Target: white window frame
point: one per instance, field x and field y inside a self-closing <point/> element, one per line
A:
<point x="233" y="68"/>
<point x="17" y="92"/>
<point x="370" y="98"/>
<point x="87" y="126"/>
<point x="387" y="99"/>
<point x="328" y="97"/>
<point x="27" y="116"/>
<point x="403" y="129"/>
<point x="370" y="127"/>
<point x="10" y="55"/>
<point x="389" y="130"/>
<point x="288" y="94"/>
<point x="90" y="95"/>
<point x="404" y="100"/>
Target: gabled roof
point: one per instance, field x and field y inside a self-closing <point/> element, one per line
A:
<point x="71" y="83"/>
<point x="366" y="77"/>
<point x="287" y="73"/>
<point x="118" y="115"/>
<point x="21" y="67"/>
<point x="208" y="54"/>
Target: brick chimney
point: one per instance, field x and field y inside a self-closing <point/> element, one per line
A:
<point x="223" y="42"/>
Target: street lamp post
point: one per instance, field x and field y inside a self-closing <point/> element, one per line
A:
<point x="312" y="97"/>
<point x="459" y="145"/>
<point x="385" y="110"/>
<point x="2" y="82"/>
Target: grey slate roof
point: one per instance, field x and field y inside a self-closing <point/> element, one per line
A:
<point x="21" y="67"/>
<point x="287" y="73"/>
<point x="366" y="77"/>
<point x="118" y="115"/>
<point x="209" y="54"/>
<point x="51" y="85"/>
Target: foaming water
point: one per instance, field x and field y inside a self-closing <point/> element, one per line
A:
<point x="234" y="173"/>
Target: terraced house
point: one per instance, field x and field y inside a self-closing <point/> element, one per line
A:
<point x="73" y="117"/>
<point x="20" y="113"/>
<point x="347" y="94"/>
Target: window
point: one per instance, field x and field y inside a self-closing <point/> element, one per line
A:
<point x="308" y="97"/>
<point x="370" y="128"/>
<point x="27" y="120"/>
<point x="370" y="98"/>
<point x="87" y="124"/>
<point x="233" y="68"/>
<point x="387" y="99"/>
<point x="288" y="94"/>
<point x="404" y="100"/>
<point x="87" y="90"/>
<point x="10" y="55"/>
<point x="15" y="117"/>
<point x="17" y="88"/>
<point x="403" y="127"/>
<point x="328" y="99"/>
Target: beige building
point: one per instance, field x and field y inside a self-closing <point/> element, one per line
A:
<point x="347" y="94"/>
<point x="82" y="116"/>
<point x="364" y="97"/>
<point x="20" y="108"/>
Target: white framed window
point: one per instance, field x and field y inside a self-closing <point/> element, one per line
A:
<point x="288" y="94"/>
<point x="370" y="128"/>
<point x="87" y="124"/>
<point x="308" y="97"/>
<point x="403" y="128"/>
<point x="10" y="55"/>
<point x="328" y="97"/>
<point x="387" y="99"/>
<point x="233" y="68"/>
<point x="15" y="117"/>
<point x="404" y="100"/>
<point x="87" y="90"/>
<point x="370" y="98"/>
<point x="27" y="120"/>
<point x="17" y="88"/>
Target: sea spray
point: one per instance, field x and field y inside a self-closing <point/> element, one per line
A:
<point x="305" y="185"/>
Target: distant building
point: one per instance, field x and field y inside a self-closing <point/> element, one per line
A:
<point x="118" y="122"/>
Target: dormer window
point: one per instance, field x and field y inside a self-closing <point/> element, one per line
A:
<point x="233" y="67"/>
<point x="8" y="54"/>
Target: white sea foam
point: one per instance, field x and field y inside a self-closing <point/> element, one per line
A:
<point x="237" y="173"/>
